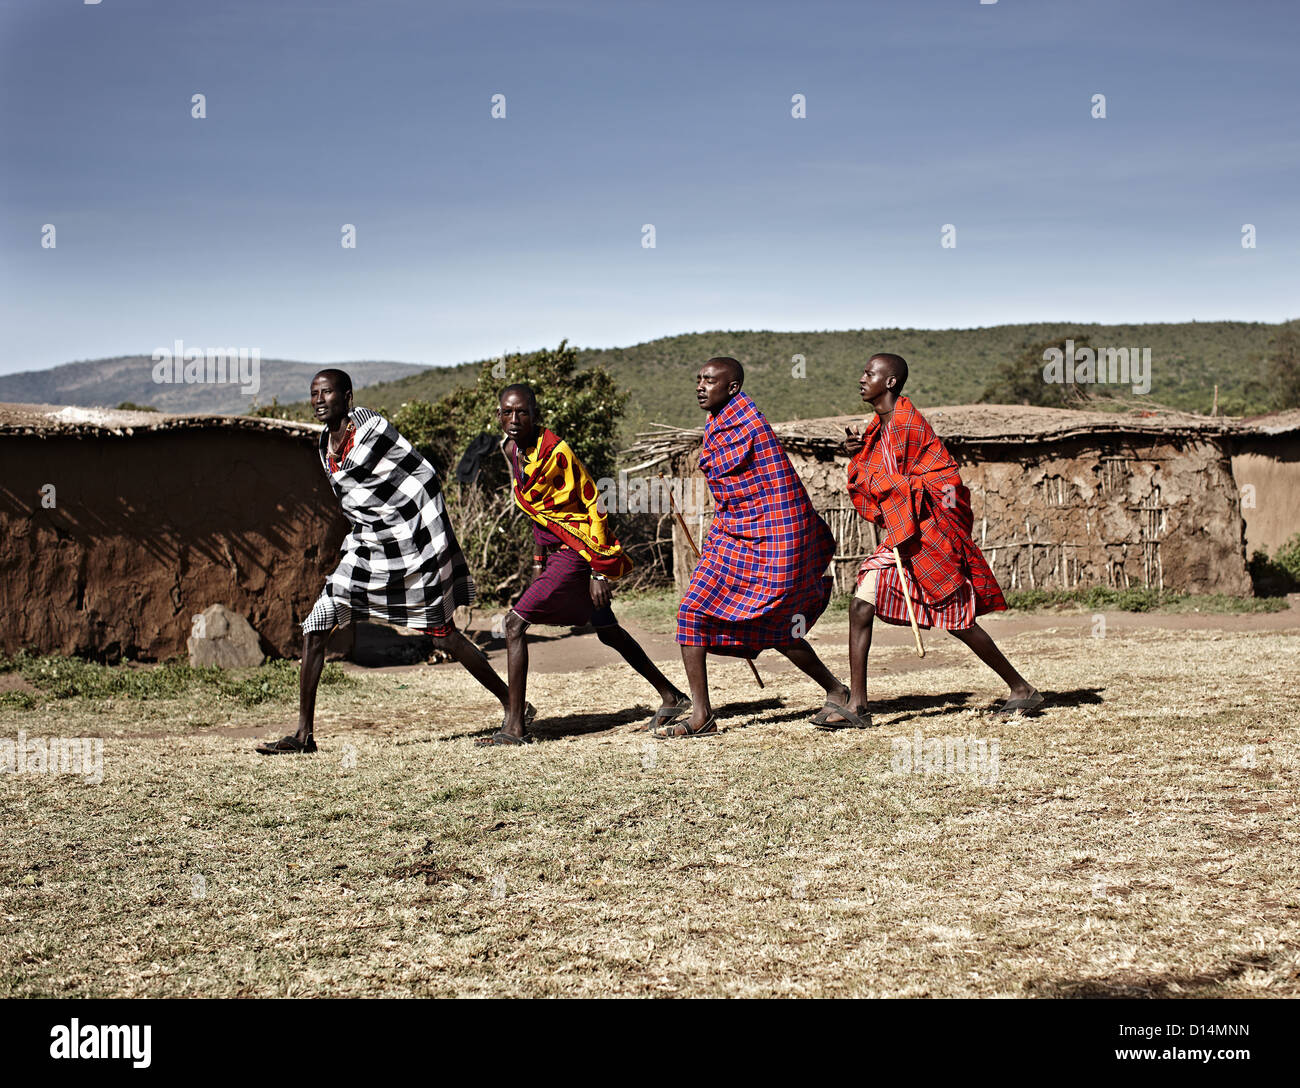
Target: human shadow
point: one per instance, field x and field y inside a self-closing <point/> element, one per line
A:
<point x="581" y="725"/>
<point x="1184" y="984"/>
<point x="573" y="725"/>
<point x="1072" y="697"/>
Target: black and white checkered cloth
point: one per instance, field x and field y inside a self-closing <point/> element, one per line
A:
<point x="401" y="561"/>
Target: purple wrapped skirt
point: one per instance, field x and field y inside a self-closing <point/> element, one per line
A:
<point x="561" y="597"/>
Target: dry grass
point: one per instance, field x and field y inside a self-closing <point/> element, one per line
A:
<point x="1125" y="849"/>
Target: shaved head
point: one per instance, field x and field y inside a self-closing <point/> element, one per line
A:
<point x="337" y="378"/>
<point x="896" y="365"/>
<point x="717" y="382"/>
<point x="524" y="390"/>
<point x="734" y="371"/>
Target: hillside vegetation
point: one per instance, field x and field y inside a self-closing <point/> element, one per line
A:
<point x="951" y="366"/>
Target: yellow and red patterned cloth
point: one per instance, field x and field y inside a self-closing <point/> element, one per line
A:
<point x="557" y="492"/>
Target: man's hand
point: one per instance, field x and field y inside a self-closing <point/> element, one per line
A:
<point x="537" y="572"/>
<point x="852" y="441"/>
<point x="599" y="592"/>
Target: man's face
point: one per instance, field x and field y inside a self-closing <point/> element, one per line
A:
<point x="518" y="419"/>
<point x="329" y="402"/>
<point x="714" y="387"/>
<point x="875" y="380"/>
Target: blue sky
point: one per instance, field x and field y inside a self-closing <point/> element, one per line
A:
<point x="476" y="236"/>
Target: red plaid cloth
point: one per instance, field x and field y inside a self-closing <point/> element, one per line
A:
<point x="761" y="579"/>
<point x="908" y="484"/>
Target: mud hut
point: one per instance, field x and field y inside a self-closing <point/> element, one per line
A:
<point x="117" y="527"/>
<point x="1266" y="466"/>
<point x="1062" y="499"/>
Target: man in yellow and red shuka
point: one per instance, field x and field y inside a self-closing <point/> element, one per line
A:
<point x="902" y="478"/>
<point x="575" y="559"/>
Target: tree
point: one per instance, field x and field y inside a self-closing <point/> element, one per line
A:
<point x="1021" y="381"/>
<point x="582" y="406"/>
<point x="1284" y="366"/>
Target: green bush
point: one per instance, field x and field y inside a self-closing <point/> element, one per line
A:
<point x="1288" y="558"/>
<point x="582" y="406"/>
<point x="1279" y="575"/>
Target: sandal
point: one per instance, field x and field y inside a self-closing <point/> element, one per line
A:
<point x="1032" y="701"/>
<point x="502" y="738"/>
<point x="665" y="715"/>
<point x="530" y="715"/>
<point x="286" y="744"/>
<point x="854" y="718"/>
<point x="684" y="730"/>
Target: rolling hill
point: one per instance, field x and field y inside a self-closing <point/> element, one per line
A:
<point x="109" y="382"/>
<point x="948" y="366"/>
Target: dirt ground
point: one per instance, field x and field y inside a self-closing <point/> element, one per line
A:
<point x="1137" y="838"/>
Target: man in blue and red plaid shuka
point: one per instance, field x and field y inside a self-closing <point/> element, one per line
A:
<point x="761" y="580"/>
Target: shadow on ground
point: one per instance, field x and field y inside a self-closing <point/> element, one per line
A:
<point x="1129" y="986"/>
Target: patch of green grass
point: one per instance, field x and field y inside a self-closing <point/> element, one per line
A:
<point x="657" y="609"/>
<point x="653" y="608"/>
<point x="73" y="678"/>
<point x="1139" y="599"/>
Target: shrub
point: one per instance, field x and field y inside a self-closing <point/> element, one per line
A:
<point x="582" y="406"/>
<point x="1279" y="575"/>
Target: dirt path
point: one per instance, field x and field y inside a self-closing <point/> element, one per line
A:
<point x="554" y="650"/>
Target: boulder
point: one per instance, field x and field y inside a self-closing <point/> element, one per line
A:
<point x="221" y="637"/>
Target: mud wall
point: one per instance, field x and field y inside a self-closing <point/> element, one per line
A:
<point x="148" y="530"/>
<point x="1112" y="512"/>
<point x="1267" y="471"/>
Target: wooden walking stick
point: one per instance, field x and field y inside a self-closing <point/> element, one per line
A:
<point x="911" y="612"/>
<point x="696" y="549"/>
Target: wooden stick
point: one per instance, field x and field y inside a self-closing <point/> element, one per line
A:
<point x="696" y="549"/>
<point x="911" y="612"/>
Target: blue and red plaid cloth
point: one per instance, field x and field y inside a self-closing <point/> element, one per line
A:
<point x="761" y="580"/>
<point x="908" y="484"/>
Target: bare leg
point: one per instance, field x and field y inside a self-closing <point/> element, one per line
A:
<point x="805" y="658"/>
<point x="697" y="675"/>
<point x="986" y="650"/>
<point x="862" y="615"/>
<point x="313" y="660"/>
<point x="516" y="672"/>
<point x="616" y="638"/>
<point x="475" y="663"/>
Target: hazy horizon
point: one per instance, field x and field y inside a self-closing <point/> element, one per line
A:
<point x="478" y="235"/>
<point x="690" y="332"/>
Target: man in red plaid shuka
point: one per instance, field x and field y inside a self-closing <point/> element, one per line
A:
<point x="902" y="478"/>
<point x="761" y="579"/>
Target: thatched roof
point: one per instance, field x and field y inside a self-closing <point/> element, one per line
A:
<point x="1287" y="422"/>
<point x="981" y="425"/>
<point x="53" y="419"/>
